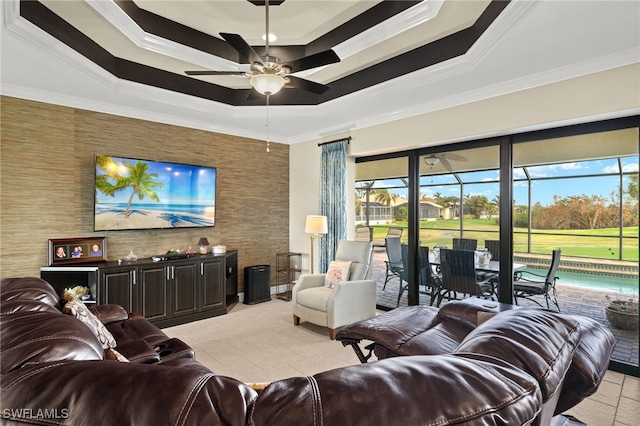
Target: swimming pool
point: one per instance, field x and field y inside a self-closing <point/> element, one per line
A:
<point x="596" y="281"/>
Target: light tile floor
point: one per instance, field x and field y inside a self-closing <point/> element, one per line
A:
<point x="259" y="343"/>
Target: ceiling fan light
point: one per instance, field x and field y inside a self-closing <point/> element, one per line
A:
<point x="267" y="84"/>
<point x="431" y="160"/>
<point x="272" y="37"/>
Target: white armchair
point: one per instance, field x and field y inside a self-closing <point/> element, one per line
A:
<point x="348" y="301"/>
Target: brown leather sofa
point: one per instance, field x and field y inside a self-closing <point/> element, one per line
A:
<point x="506" y="371"/>
<point x="421" y="330"/>
<point x="54" y="369"/>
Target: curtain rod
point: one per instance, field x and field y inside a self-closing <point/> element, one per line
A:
<point x="337" y="140"/>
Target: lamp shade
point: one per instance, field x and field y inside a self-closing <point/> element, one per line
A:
<point x="316" y="224"/>
<point x="267" y="83"/>
<point x="203" y="242"/>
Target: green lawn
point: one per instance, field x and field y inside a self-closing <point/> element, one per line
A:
<point x="598" y="243"/>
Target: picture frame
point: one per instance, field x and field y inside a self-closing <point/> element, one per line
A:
<point x="66" y="251"/>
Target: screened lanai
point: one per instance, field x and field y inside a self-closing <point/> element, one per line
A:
<point x="571" y="188"/>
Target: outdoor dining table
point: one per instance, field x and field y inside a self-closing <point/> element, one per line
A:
<point x="492" y="266"/>
<point x="486" y="271"/>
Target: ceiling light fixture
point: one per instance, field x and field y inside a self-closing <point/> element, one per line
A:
<point x="431" y="160"/>
<point x="267" y="84"/>
<point x="272" y="37"/>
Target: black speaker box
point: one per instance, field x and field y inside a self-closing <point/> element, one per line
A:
<point x="257" y="284"/>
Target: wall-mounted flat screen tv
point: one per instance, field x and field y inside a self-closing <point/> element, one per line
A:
<point x="133" y="193"/>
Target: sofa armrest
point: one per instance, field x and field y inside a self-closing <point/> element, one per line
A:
<point x="589" y="364"/>
<point x="138" y="351"/>
<point x="351" y="301"/>
<point x="109" y="313"/>
<point x="346" y="294"/>
<point x="306" y="281"/>
<point x="309" y="281"/>
<point x="138" y="394"/>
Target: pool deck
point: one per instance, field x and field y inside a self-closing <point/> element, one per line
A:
<point x="572" y="300"/>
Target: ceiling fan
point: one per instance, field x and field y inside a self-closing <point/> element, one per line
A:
<point x="268" y="74"/>
<point x="433" y="159"/>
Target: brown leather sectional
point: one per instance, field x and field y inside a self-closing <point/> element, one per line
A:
<point x="54" y="371"/>
<point x="421" y="330"/>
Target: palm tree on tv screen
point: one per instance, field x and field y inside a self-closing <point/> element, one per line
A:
<point x="140" y="181"/>
<point x="105" y="167"/>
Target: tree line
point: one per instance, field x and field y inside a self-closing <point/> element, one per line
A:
<point x="571" y="212"/>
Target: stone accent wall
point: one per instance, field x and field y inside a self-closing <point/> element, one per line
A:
<point x="47" y="189"/>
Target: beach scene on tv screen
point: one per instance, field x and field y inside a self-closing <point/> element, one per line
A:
<point x="142" y="194"/>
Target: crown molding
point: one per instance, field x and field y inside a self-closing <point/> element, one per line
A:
<point x="147" y="41"/>
<point x="375" y="105"/>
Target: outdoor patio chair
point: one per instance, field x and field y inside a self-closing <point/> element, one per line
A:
<point x="494" y="248"/>
<point x="427" y="277"/>
<point x="465" y="244"/>
<point x="393" y="262"/>
<point x="459" y="276"/>
<point x="391" y="233"/>
<point x="363" y="233"/>
<point x="430" y="278"/>
<point x="527" y="286"/>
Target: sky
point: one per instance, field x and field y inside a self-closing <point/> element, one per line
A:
<point x="542" y="191"/>
<point x="182" y="184"/>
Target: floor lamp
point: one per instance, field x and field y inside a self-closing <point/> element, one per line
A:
<point x="316" y="226"/>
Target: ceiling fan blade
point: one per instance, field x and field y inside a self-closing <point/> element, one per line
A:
<point x="308" y="85"/>
<point x="237" y="42"/>
<point x="313" y="61"/>
<point x="214" y="72"/>
<point x="454" y="157"/>
<point x="446" y="163"/>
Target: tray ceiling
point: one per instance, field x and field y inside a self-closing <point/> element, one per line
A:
<point x="398" y="58"/>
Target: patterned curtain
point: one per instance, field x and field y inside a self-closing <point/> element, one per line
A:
<point x="333" y="199"/>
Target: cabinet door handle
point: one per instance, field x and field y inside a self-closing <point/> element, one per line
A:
<point x="133" y="277"/>
<point x="173" y="272"/>
<point x="202" y="269"/>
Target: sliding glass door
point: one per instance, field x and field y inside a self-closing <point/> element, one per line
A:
<point x="579" y="194"/>
<point x="573" y="188"/>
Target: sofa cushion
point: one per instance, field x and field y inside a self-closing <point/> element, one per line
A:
<point x="314" y="298"/>
<point x="358" y="252"/>
<point x="415" y="330"/>
<point x="113" y="393"/>
<point x="78" y="310"/>
<point x="37" y="337"/>
<point x="28" y="289"/>
<point x="338" y="271"/>
<point x="536" y="341"/>
<point x="358" y="271"/>
<point x="414" y="390"/>
<point x="24" y="305"/>
<point x="465" y="312"/>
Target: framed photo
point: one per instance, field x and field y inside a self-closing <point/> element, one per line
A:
<point x="67" y="251"/>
